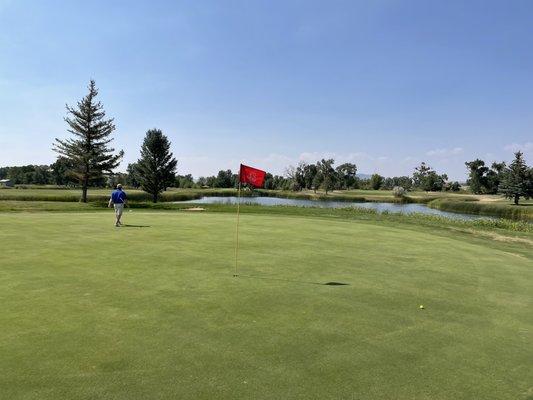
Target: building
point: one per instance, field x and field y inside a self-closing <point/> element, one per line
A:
<point x="6" y="183"/>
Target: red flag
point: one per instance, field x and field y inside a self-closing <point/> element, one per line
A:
<point x="252" y="176"/>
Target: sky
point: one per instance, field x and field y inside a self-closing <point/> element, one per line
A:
<point x="384" y="84"/>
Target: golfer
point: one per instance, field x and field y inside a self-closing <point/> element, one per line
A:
<point x="118" y="200"/>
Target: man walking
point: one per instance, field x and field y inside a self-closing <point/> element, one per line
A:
<point x="118" y="200"/>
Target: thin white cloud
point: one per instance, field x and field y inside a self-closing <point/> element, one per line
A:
<point x="315" y="156"/>
<point x="445" y="152"/>
<point x="524" y="147"/>
<point x="273" y="162"/>
<point x="338" y="157"/>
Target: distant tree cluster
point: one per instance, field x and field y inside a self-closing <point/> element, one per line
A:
<point x="276" y="182"/>
<point x="54" y="174"/>
<point x="482" y="179"/>
<point x="321" y="175"/>
<point x="513" y="181"/>
<point x="28" y="174"/>
<point x="224" y="179"/>
<point x="184" y="181"/>
<point x="405" y="182"/>
<point x="427" y="179"/>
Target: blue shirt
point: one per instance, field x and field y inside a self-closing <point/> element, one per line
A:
<point x="118" y="196"/>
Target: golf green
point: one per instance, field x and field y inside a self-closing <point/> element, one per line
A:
<point x="152" y="310"/>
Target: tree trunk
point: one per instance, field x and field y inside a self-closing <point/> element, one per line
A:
<point x="154" y="197"/>
<point x="84" y="194"/>
<point x="84" y="186"/>
<point x="516" y="198"/>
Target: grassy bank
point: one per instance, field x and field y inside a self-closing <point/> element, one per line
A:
<point x="99" y="195"/>
<point x="502" y="209"/>
<point x="337" y="195"/>
<point x="361" y="195"/>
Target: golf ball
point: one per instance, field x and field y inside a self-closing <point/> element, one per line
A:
<point x="421" y="307"/>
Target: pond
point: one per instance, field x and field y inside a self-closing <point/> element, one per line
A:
<point x="379" y="207"/>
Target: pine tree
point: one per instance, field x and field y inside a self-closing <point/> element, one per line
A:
<point x="88" y="151"/>
<point x="156" y="168"/>
<point x="517" y="180"/>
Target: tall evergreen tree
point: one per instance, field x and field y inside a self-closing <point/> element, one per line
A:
<point x="88" y="152"/>
<point x="156" y="169"/>
<point x="517" y="180"/>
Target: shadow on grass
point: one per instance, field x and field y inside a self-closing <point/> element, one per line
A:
<point x="135" y="226"/>
<point x="292" y="280"/>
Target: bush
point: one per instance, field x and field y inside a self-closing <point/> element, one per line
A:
<point x="398" y="191"/>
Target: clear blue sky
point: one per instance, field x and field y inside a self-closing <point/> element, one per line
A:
<point x="382" y="83"/>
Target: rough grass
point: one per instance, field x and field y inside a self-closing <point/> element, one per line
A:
<point x="73" y="195"/>
<point x="152" y="310"/>
<point x="500" y="209"/>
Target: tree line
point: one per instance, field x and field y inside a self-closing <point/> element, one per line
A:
<point x="513" y="181"/>
<point x="86" y="159"/>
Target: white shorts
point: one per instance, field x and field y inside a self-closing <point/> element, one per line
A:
<point x="119" y="209"/>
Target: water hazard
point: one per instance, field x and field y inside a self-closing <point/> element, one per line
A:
<point x="379" y="207"/>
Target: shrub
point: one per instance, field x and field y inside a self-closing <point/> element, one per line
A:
<point x="398" y="191"/>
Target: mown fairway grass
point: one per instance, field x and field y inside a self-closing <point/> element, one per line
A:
<point x="152" y="311"/>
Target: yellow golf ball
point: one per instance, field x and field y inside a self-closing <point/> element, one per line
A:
<point x="421" y="307"/>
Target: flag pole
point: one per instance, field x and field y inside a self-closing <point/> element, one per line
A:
<point x="237" y="231"/>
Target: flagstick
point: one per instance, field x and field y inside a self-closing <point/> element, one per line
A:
<point x="237" y="233"/>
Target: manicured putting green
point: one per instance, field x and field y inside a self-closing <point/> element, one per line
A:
<point x="152" y="310"/>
